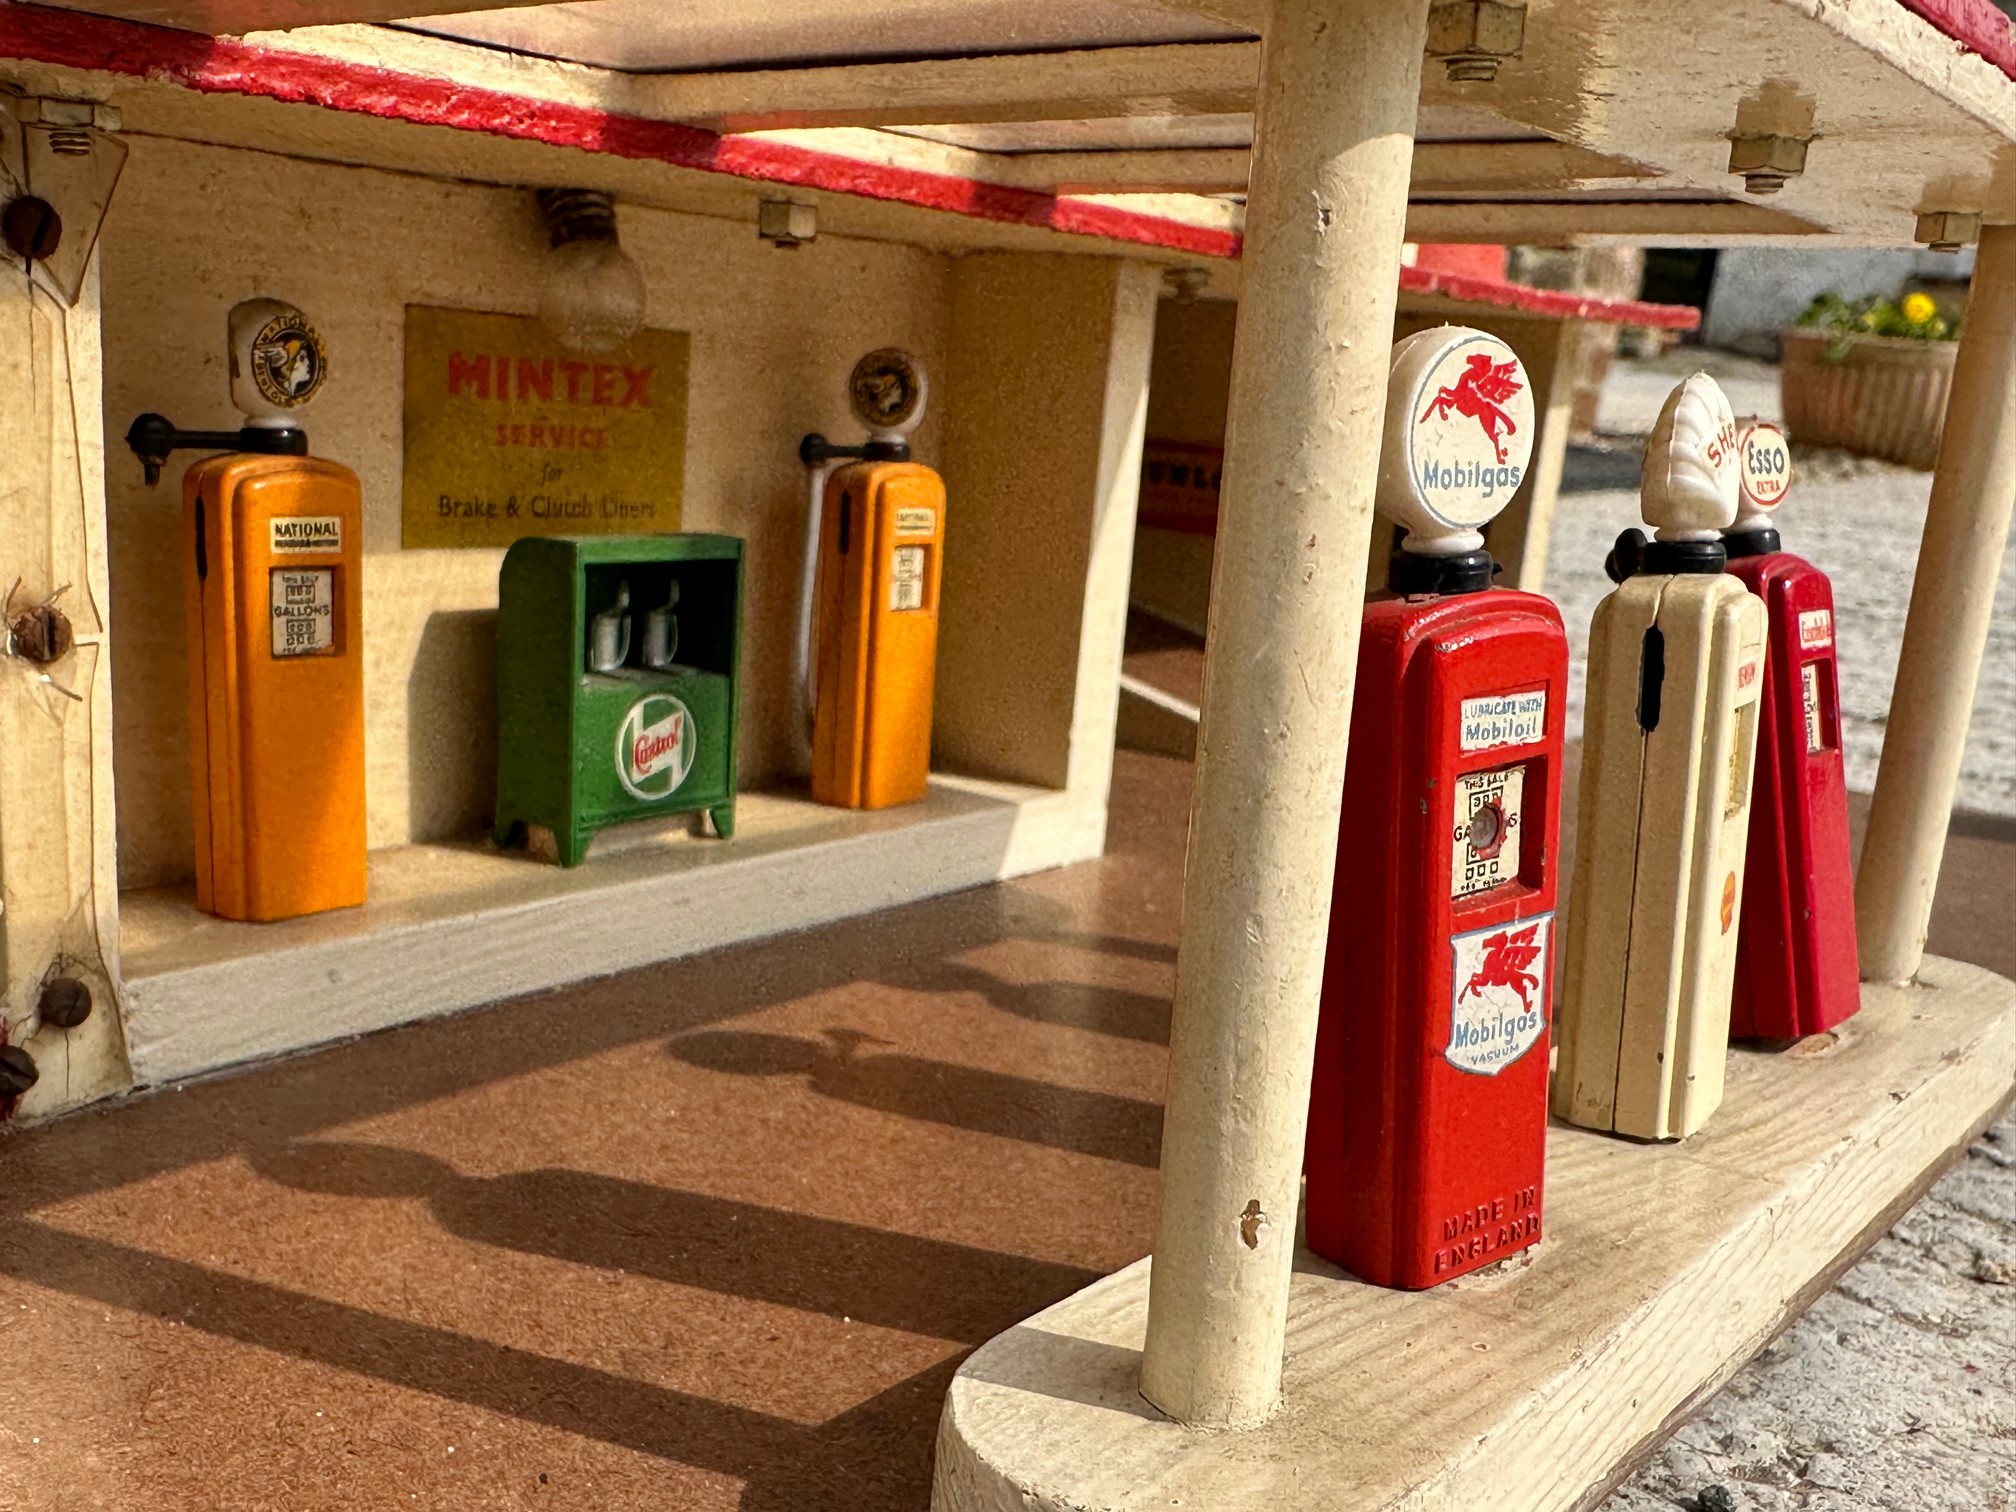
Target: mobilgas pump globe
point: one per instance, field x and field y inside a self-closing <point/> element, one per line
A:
<point x="273" y="604"/>
<point x="1428" y="1113"/>
<point x="1676" y="660"/>
<point x="868" y="628"/>
<point x="1796" y="966"/>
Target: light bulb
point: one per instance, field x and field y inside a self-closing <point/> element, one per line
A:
<point x="591" y="292"/>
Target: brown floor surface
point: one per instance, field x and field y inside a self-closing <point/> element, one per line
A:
<point x="709" y="1235"/>
<point x="1164" y="657"/>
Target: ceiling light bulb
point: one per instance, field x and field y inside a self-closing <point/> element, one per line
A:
<point x="591" y="292"/>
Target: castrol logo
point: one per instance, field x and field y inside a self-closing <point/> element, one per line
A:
<point x="654" y="747"/>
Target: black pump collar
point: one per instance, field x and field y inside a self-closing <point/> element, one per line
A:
<point x="1758" y="541"/>
<point x="1413" y="574"/>
<point x="1634" y="554"/>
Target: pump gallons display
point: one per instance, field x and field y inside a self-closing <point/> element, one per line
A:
<point x="272" y="567"/>
<point x="599" y="721"/>
<point x="868" y="630"/>
<point x="1428" y="1115"/>
<point x="1796" y="967"/>
<point x="1676" y="667"/>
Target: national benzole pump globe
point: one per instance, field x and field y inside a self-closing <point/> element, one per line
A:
<point x="591" y="293"/>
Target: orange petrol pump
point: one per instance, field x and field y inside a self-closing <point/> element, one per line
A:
<point x="273" y="597"/>
<point x="868" y="633"/>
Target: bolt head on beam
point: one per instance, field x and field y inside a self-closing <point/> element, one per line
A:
<point x="1767" y="160"/>
<point x="1472" y="37"/>
<point x="786" y="223"/>
<point x="1948" y="230"/>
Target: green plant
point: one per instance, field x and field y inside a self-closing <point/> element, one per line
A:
<point x="1915" y="317"/>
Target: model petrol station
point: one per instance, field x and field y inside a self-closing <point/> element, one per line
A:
<point x="638" y="506"/>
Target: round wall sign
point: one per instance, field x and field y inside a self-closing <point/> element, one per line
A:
<point x="654" y="747"/>
<point x="887" y="390"/>
<point x="278" y="359"/>
<point x="1459" y="436"/>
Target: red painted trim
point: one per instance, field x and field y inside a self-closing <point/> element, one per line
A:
<point x="1976" y="25"/>
<point x="224" y="65"/>
<point x="1562" y="306"/>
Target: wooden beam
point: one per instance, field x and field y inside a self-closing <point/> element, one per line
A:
<point x="1182" y="170"/>
<point x="1554" y="168"/>
<point x="1174" y="79"/>
<point x="1561" y="222"/>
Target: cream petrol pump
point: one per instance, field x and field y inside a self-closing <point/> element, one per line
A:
<point x="1676" y="664"/>
<point x="868" y="603"/>
<point x="272" y="572"/>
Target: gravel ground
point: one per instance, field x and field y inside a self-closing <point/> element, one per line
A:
<point x="1896" y="1391"/>
<point x="1859" y="521"/>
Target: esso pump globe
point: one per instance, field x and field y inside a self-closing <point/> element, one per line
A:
<point x="1763" y="473"/>
<point x="1689" y="480"/>
<point x="887" y="390"/>
<point x="278" y="362"/>
<point x="1459" y="435"/>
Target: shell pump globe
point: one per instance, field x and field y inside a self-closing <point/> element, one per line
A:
<point x="1690" y="478"/>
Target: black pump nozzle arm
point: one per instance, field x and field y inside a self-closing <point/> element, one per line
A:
<point x="153" y="437"/>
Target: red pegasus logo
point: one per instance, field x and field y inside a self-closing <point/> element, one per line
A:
<point x="1479" y="393"/>
<point x="1506" y="957"/>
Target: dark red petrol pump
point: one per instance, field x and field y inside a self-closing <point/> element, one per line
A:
<point x="1428" y="1117"/>
<point x="1796" y="967"/>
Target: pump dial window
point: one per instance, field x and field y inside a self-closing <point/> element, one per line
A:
<point x="1484" y="839"/>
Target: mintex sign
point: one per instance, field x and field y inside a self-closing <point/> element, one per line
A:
<point x="509" y="434"/>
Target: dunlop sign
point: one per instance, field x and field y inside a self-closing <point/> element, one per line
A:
<point x="509" y="434"/>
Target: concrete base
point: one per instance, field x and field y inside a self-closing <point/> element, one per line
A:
<point x="451" y="926"/>
<point x="1537" y="1384"/>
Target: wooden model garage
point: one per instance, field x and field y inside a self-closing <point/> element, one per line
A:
<point x="1002" y="197"/>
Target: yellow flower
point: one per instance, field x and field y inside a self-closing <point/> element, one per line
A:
<point x="1919" y="308"/>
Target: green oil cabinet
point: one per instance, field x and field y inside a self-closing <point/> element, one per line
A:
<point x="616" y="683"/>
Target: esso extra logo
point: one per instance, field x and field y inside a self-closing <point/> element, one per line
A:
<point x="654" y="747"/>
<point x="1468" y="428"/>
<point x="1765" y="466"/>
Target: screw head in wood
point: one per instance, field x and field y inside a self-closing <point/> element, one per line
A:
<point x="17" y="1071"/>
<point x="65" y="1002"/>
<point x="31" y="228"/>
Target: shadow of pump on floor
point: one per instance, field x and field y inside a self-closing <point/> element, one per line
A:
<point x="1100" y="1124"/>
<point x="739" y="1249"/>
<point x="875" y="1455"/>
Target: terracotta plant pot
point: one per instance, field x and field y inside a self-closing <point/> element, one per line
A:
<point x="1882" y="397"/>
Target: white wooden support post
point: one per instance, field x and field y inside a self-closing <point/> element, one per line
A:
<point x="1946" y="630"/>
<point x="1340" y="81"/>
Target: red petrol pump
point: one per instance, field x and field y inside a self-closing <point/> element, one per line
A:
<point x="1428" y="1113"/>
<point x="273" y="611"/>
<point x="1796" y="966"/>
